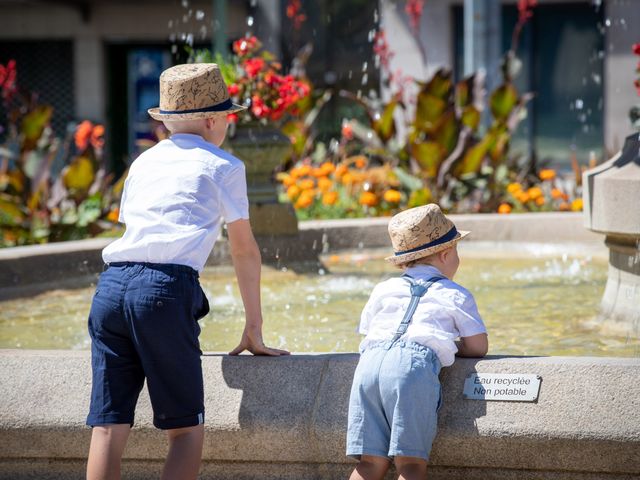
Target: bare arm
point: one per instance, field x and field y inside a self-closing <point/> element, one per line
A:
<point x="473" y="346"/>
<point x="247" y="263"/>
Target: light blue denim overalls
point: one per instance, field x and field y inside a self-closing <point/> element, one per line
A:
<point x="395" y="394"/>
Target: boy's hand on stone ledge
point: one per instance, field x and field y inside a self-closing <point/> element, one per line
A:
<point x="252" y="342"/>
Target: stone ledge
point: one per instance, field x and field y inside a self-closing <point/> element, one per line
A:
<point x="290" y="415"/>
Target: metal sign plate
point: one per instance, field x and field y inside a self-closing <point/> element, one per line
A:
<point x="505" y="387"/>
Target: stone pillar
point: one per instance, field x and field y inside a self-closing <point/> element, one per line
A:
<point x="612" y="206"/>
<point x="262" y="149"/>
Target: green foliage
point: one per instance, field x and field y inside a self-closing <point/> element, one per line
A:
<point x="39" y="205"/>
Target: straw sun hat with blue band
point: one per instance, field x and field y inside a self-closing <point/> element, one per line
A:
<point x="420" y="232"/>
<point x="193" y="91"/>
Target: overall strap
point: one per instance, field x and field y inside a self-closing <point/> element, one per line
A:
<point x="417" y="291"/>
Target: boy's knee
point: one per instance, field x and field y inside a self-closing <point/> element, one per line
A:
<point x="410" y="467"/>
<point x="194" y="432"/>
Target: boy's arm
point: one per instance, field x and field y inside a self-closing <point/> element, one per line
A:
<point x="473" y="346"/>
<point x="247" y="263"/>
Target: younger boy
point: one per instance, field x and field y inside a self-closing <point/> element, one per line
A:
<point x="411" y="324"/>
<point x="144" y="315"/>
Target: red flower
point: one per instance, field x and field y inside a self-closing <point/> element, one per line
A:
<point x="347" y="131"/>
<point x="83" y="134"/>
<point x="636" y="48"/>
<point x="414" y="10"/>
<point x="8" y="80"/>
<point x="233" y="89"/>
<point x="524" y="10"/>
<point x="253" y="66"/>
<point x="293" y="10"/>
<point x="232" y="118"/>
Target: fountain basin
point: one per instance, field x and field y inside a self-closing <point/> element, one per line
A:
<point x="286" y="418"/>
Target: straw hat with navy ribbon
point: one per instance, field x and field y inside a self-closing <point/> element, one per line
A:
<point x="420" y="232"/>
<point x="193" y="91"/>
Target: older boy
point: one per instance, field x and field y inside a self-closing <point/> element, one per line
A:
<point x="143" y="319"/>
<point x="411" y="324"/>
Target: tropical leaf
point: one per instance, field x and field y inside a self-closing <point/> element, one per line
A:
<point x="447" y="131"/>
<point x="502" y="101"/>
<point x="471" y="117"/>
<point x="429" y="155"/>
<point x="10" y="213"/>
<point x="33" y="125"/>
<point x="384" y="125"/>
<point x="428" y="111"/>
<point x="79" y="175"/>
<point x="419" y="197"/>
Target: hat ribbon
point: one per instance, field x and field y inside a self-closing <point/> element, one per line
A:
<point x="450" y="235"/>
<point x="220" y="107"/>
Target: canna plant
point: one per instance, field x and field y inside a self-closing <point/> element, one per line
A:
<point x="51" y="189"/>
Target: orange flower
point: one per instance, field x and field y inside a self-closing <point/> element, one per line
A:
<point x="522" y="197"/>
<point x="360" y="161"/>
<point x="392" y="196"/>
<point x="368" y="198"/>
<point x="97" y="136"/>
<point x="113" y="215"/>
<point x="304" y="170"/>
<point x="540" y="201"/>
<point x="512" y="188"/>
<point x="330" y="198"/>
<point x="347" y="131"/>
<point x="324" y="184"/>
<point x="564" y="207"/>
<point x="535" y="193"/>
<point x="504" y="208"/>
<point x="306" y="184"/>
<point x="305" y="199"/>
<point x="327" y="168"/>
<point x="83" y="134"/>
<point x="288" y="180"/>
<point x="547" y="174"/>
<point x="341" y="170"/>
<point x="348" y="179"/>
<point x="293" y="191"/>
<point x="556" y="193"/>
<point x="576" y="205"/>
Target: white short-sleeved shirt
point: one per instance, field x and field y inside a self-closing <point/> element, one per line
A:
<point x="447" y="311"/>
<point x="174" y="200"/>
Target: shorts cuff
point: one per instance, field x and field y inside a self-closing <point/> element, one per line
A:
<point x="98" y="420"/>
<point x="410" y="453"/>
<point x="182" y="422"/>
<point x="356" y="453"/>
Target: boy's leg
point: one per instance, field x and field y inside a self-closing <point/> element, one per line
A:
<point x="105" y="451"/>
<point x="370" y="467"/>
<point x="185" y="453"/>
<point x="411" y="468"/>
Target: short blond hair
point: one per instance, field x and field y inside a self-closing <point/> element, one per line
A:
<point x="428" y="260"/>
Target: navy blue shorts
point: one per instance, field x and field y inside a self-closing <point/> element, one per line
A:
<point x="143" y="323"/>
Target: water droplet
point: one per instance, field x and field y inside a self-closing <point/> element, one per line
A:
<point x="369" y="134"/>
<point x="250" y="21"/>
<point x="596" y="78"/>
<point x="189" y="39"/>
<point x="607" y="22"/>
<point x="579" y="104"/>
<point x="375" y="16"/>
<point x="365" y="79"/>
<point x="199" y="15"/>
<point x="365" y="65"/>
<point x="371" y="36"/>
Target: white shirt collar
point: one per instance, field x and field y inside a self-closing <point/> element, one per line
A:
<point x="423" y="272"/>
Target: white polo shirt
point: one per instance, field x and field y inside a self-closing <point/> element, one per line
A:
<point x="447" y="311"/>
<point x="175" y="197"/>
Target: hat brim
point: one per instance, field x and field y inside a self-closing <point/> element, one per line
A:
<point x="155" y="113"/>
<point x="409" y="257"/>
